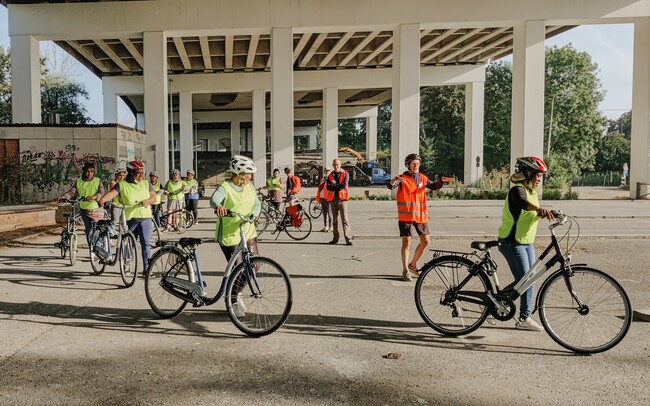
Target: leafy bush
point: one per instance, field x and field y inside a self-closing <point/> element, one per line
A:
<point x="551" y="194"/>
<point x="570" y="196"/>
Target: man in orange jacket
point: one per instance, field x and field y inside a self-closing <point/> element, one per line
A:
<point x="336" y="194"/>
<point x="412" y="211"/>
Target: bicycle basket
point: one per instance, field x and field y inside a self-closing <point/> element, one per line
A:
<point x="96" y="214"/>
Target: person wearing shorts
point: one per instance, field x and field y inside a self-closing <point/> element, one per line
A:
<point x="412" y="211"/>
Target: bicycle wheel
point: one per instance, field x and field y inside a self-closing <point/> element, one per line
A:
<point x="315" y="208"/>
<point x="166" y="262"/>
<point x="262" y="222"/>
<point x="298" y="232"/>
<point x="185" y="220"/>
<point x="73" y="249"/>
<point x="455" y="318"/>
<point x="128" y="258"/>
<point x="260" y="304"/>
<point x="63" y="243"/>
<point x="599" y="324"/>
<point x="97" y="261"/>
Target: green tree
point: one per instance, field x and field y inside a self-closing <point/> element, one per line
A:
<point x="5" y="86"/>
<point x="612" y="151"/>
<point x="622" y="125"/>
<point x="498" y="115"/>
<point x="442" y="120"/>
<point x="573" y="87"/>
<point x="64" y="97"/>
<point x="352" y="133"/>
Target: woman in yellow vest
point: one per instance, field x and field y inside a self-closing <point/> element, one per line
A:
<point x="236" y="194"/>
<point x="521" y="214"/>
<point x="135" y="189"/>
<point x="157" y="187"/>
<point x="274" y="186"/>
<point x="120" y="174"/>
<point x="175" y="191"/>
<point x="192" y="195"/>
<point x="90" y="189"/>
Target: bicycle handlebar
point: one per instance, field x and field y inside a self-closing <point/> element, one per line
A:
<point x="120" y="206"/>
<point x="249" y="219"/>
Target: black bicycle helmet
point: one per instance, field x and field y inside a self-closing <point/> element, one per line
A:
<point x="88" y="165"/>
<point x="411" y="157"/>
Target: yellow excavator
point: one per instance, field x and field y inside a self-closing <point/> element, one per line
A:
<point x="354" y="153"/>
<point x="369" y="171"/>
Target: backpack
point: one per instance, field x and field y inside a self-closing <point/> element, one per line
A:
<point x="296" y="184"/>
<point x="295" y="212"/>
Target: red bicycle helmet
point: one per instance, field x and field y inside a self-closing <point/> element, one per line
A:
<point x="134" y="166"/>
<point x="530" y="166"/>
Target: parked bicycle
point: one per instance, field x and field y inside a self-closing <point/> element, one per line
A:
<point x="581" y="308"/>
<point x="184" y="220"/>
<point x="69" y="238"/>
<point x="101" y="250"/>
<point x="257" y="290"/>
<point x="315" y="208"/>
<point x="293" y="220"/>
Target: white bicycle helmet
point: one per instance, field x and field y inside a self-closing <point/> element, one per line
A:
<point x="190" y="172"/>
<point x="175" y="172"/>
<point x="154" y="173"/>
<point x="242" y="164"/>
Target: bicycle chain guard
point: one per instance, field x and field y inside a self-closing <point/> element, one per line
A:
<point x="505" y="310"/>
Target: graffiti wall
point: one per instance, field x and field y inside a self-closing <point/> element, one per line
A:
<point x="50" y="159"/>
<point x="47" y="174"/>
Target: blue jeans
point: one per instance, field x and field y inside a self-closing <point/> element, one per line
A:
<point x="142" y="229"/>
<point x="520" y="258"/>
<point x="88" y="224"/>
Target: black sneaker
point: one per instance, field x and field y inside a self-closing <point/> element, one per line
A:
<point x="333" y="242"/>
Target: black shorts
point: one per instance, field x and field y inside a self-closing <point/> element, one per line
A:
<point x="405" y="228"/>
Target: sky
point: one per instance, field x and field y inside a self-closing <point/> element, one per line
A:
<point x="610" y="46"/>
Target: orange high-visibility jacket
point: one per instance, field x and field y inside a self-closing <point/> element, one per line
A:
<point x="343" y="192"/>
<point x="412" y="200"/>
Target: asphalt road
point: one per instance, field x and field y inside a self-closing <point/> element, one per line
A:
<point x="70" y="337"/>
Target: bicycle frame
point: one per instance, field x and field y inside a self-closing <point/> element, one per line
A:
<point x="121" y="232"/>
<point x="195" y="289"/>
<point x="514" y="291"/>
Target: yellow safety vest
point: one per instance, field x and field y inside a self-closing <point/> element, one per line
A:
<point x="243" y="202"/>
<point x="176" y="190"/>
<point x="130" y="193"/>
<point x="526" y="226"/>
<point x="87" y="188"/>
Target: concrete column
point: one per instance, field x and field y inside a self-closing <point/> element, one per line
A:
<point x="371" y="138"/>
<point x="109" y="103"/>
<point x="186" y="132"/>
<point x="527" y="130"/>
<point x="235" y="138"/>
<point x="25" y="80"/>
<point x="259" y="137"/>
<point x="406" y="94"/>
<point x="474" y="100"/>
<point x="155" y="102"/>
<point x="313" y="144"/>
<point x="330" y="127"/>
<point x="281" y="97"/>
<point x="640" y="161"/>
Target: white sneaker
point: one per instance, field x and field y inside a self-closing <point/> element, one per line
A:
<point x="239" y="308"/>
<point x="528" y="324"/>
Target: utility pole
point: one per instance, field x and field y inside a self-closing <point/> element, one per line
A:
<point x="550" y="129"/>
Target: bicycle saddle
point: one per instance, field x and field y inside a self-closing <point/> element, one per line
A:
<point x="103" y="222"/>
<point x="185" y="241"/>
<point x="484" y="245"/>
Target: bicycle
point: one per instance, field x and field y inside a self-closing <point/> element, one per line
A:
<point x="315" y="208"/>
<point x="257" y="291"/>
<point x="101" y="251"/>
<point x="184" y="219"/>
<point x="293" y="220"/>
<point x="69" y="238"/>
<point x="583" y="309"/>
